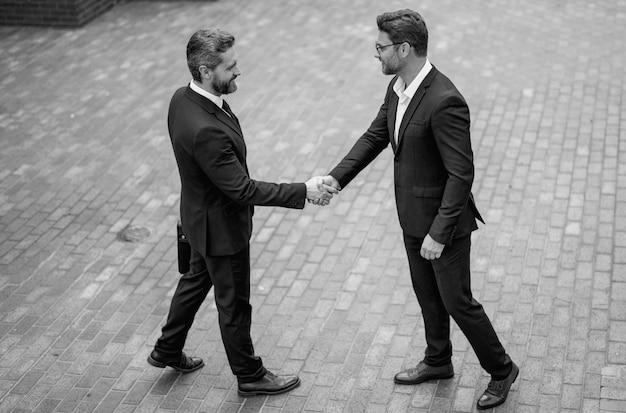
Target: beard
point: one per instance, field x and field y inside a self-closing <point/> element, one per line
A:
<point x="391" y="66"/>
<point x="224" y="87"/>
<point x="387" y="70"/>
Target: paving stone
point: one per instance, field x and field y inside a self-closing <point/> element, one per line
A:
<point x="84" y="153"/>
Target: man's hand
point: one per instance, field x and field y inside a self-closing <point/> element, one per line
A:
<point x="330" y="181"/>
<point x="319" y="193"/>
<point x="431" y="249"/>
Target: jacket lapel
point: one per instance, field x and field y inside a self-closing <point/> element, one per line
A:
<point x="213" y="109"/>
<point x="392" y="107"/>
<point x="415" y="101"/>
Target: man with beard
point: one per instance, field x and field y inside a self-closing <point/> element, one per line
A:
<point x="216" y="206"/>
<point x="427" y="122"/>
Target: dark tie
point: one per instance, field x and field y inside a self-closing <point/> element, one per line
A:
<point x="230" y="112"/>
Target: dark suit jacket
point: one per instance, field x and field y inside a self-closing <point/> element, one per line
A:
<point x="217" y="193"/>
<point x="433" y="160"/>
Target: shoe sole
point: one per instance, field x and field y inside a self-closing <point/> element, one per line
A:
<point x="503" y="400"/>
<point x="268" y="392"/>
<point x="161" y="365"/>
<point x="449" y="376"/>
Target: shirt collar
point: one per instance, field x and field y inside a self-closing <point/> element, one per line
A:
<point x="213" y="98"/>
<point x="403" y="91"/>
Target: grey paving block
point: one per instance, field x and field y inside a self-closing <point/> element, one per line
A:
<point x="84" y="152"/>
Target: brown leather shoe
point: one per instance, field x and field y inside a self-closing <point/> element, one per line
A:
<point x="497" y="391"/>
<point x="184" y="364"/>
<point x="423" y="372"/>
<point x="269" y="384"/>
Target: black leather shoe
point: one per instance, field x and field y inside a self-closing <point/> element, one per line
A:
<point x="423" y="372"/>
<point x="269" y="384"/>
<point x="184" y="364"/>
<point x="497" y="391"/>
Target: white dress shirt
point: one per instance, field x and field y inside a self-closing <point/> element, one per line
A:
<point x="405" y="94"/>
<point x="213" y="98"/>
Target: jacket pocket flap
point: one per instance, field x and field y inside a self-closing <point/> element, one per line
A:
<point x="428" y="192"/>
<point x="231" y="208"/>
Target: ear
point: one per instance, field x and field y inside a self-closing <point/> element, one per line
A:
<point x="405" y="49"/>
<point x="205" y="72"/>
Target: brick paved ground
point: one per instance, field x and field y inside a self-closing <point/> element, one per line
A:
<point x="84" y="153"/>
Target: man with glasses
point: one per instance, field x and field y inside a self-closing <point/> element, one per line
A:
<point x="427" y="122"/>
<point x="216" y="207"/>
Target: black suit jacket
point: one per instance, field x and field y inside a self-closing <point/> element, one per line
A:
<point x="433" y="160"/>
<point x="217" y="193"/>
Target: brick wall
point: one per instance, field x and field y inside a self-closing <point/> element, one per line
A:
<point x="51" y="12"/>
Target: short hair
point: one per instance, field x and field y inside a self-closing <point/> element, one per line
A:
<point x="204" y="49"/>
<point x="405" y="26"/>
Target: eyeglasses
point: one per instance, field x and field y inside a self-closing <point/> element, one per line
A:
<point x="381" y="47"/>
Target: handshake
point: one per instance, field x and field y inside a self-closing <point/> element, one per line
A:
<point x="320" y="189"/>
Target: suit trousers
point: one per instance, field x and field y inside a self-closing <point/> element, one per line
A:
<point x="230" y="277"/>
<point x="443" y="290"/>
